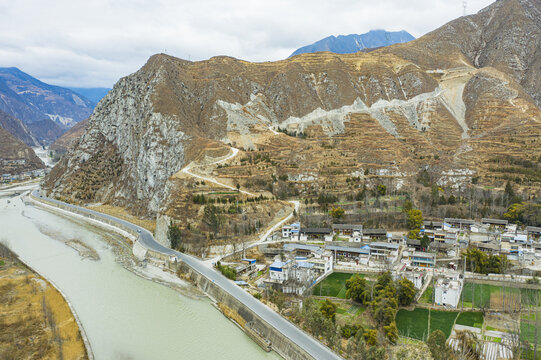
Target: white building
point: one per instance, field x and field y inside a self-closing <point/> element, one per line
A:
<point x="323" y="264"/>
<point x="290" y="231"/>
<point x="278" y="271"/>
<point x="447" y="291"/>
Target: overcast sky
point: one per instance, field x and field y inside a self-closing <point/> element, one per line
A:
<point x="92" y="43"/>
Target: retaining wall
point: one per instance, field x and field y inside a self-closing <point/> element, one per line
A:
<point x="250" y="322"/>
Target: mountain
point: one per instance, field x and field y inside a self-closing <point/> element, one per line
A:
<point x="17" y="129"/>
<point x="69" y="138"/>
<point x="484" y="40"/>
<point x="31" y="100"/>
<point x="348" y="44"/>
<point x="92" y="94"/>
<point x="15" y="156"/>
<point x="441" y="110"/>
<point x="46" y="130"/>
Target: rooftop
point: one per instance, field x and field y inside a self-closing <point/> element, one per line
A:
<point x="316" y="230"/>
<point x="494" y="221"/>
<point x="384" y="245"/>
<point x="347" y="227"/>
<point x="374" y="232"/>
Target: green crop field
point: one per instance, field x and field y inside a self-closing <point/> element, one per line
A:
<point x="530" y="297"/>
<point x="470" y="318"/>
<point x="442" y="320"/>
<point x="333" y="285"/>
<point x="413" y="324"/>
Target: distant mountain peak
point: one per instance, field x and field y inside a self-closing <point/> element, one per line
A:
<point x="346" y="44"/>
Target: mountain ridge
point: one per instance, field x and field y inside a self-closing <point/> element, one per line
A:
<point x="347" y="44"/>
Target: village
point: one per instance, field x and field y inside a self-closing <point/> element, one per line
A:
<point x="453" y="292"/>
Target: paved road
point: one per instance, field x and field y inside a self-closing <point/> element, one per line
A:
<point x="305" y="341"/>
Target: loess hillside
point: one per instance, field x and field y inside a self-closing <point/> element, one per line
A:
<point x="457" y="104"/>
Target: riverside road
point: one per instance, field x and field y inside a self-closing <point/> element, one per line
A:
<point x="303" y="340"/>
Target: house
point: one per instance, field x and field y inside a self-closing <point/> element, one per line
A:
<point x="303" y="249"/>
<point x="384" y="251"/>
<point x="423" y="259"/>
<point x="347" y="230"/>
<point x="291" y="231"/>
<point x="375" y="234"/>
<point x="278" y="271"/>
<point x="414" y="243"/>
<point x="459" y="223"/>
<point x="246" y="268"/>
<point x="438" y="246"/>
<point x="315" y="234"/>
<point x="495" y="223"/>
<point x="534" y="233"/>
<point x="432" y="225"/>
<point x="447" y="291"/>
<point x="489" y="248"/>
<point x="322" y="264"/>
<point x="439" y="236"/>
<point x="520" y="239"/>
<point x="416" y="277"/>
<point x="451" y="237"/>
<point x="352" y="252"/>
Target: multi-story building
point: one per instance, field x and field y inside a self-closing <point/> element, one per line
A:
<point x="423" y="259"/>
<point x="447" y="291"/>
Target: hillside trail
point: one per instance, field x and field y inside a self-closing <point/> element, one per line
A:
<point x="263" y="238"/>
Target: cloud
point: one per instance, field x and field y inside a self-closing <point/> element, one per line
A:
<point x="94" y="43"/>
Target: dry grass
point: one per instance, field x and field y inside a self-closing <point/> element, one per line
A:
<point x="122" y="213"/>
<point x="35" y="320"/>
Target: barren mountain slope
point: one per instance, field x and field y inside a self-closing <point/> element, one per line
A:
<point x="17" y="128"/>
<point x="313" y="122"/>
<point x="15" y="156"/>
<point x="505" y="35"/>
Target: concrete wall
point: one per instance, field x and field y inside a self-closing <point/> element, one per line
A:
<point x="252" y="324"/>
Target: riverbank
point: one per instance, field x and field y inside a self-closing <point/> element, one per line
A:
<point x="36" y="321"/>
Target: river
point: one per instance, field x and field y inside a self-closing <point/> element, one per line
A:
<point x="124" y="315"/>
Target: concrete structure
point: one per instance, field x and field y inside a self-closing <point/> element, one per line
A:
<point x="432" y="225"/>
<point x="423" y="259"/>
<point x="384" y="251"/>
<point x="349" y="251"/>
<point x="416" y="277"/>
<point x="447" y="291"/>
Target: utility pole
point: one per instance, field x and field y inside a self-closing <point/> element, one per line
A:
<point x="464" y="5"/>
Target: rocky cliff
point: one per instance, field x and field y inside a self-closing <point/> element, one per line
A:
<point x="449" y="102"/>
<point x="15" y="156"/>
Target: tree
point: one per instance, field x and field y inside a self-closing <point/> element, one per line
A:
<point x="391" y="331"/>
<point x="425" y="242"/>
<point x="337" y="212"/>
<point x="437" y="344"/>
<point x="357" y="289"/>
<point x="238" y="187"/>
<point x="381" y="189"/>
<point x="328" y="309"/>
<point x="405" y="291"/>
<point x="407" y="206"/>
<point x="370" y="337"/>
<point x="174" y="235"/>
<point x="467" y="345"/>
<point x="415" y="219"/>
<point x="212" y="218"/>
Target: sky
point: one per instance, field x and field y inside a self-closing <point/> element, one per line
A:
<point x="93" y="43"/>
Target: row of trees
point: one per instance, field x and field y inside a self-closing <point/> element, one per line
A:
<point x="483" y="263"/>
<point x="383" y="298"/>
